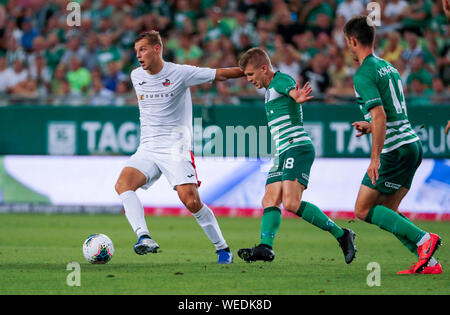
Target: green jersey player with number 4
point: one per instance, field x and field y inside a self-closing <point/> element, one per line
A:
<point x="396" y="149"/>
<point x="289" y="175"/>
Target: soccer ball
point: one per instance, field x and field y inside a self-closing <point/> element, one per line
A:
<point x="98" y="249"/>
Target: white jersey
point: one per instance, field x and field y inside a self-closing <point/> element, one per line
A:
<point x="165" y="104"/>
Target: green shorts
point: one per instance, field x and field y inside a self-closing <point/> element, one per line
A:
<point x="397" y="168"/>
<point x="295" y="163"/>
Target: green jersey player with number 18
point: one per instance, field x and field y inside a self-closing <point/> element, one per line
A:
<point x="289" y="175"/>
<point x="396" y="149"/>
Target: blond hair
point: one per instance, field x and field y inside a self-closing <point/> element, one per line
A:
<point x="255" y="56"/>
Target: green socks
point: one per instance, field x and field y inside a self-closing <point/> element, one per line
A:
<point x="411" y="246"/>
<point x="312" y="214"/>
<point x="270" y="223"/>
<point x="391" y="221"/>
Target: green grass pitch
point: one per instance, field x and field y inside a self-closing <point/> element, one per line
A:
<point x="35" y="250"/>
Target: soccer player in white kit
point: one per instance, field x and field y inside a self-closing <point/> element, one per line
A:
<point x="165" y="106"/>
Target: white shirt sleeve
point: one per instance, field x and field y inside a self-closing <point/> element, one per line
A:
<point x="195" y="75"/>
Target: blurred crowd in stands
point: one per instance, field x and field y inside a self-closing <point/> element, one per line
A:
<point x="43" y="58"/>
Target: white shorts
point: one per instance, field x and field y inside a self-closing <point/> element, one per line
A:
<point x="177" y="169"/>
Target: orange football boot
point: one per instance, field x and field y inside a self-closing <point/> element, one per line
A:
<point x="426" y="251"/>
<point x="428" y="270"/>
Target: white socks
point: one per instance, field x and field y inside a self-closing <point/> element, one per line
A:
<point x="424" y="238"/>
<point x="207" y="220"/>
<point x="134" y="212"/>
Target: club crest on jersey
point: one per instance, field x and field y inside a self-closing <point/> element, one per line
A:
<point x="166" y="82"/>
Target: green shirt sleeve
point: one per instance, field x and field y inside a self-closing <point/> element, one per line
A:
<point x="284" y="84"/>
<point x="367" y="91"/>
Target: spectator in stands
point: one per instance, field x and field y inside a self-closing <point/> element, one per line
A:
<point x="16" y="75"/>
<point x="339" y="71"/>
<point x="304" y="45"/>
<point x="41" y="74"/>
<point x="224" y="94"/>
<point x="219" y="31"/>
<point x="317" y="74"/>
<point x="393" y="50"/>
<point x="418" y="72"/>
<point x="59" y="75"/>
<point x="286" y="59"/>
<point x="187" y="52"/>
<point x="265" y="41"/>
<point x="413" y="48"/>
<point x="113" y="76"/>
<point x="217" y="27"/>
<point x="26" y="89"/>
<point x="243" y="27"/>
<point x="14" y="51"/>
<point x="122" y="94"/>
<point x="416" y="17"/>
<point x="183" y="11"/>
<point x="79" y="78"/>
<point x="99" y="95"/>
<point x="107" y="52"/>
<point x="73" y="48"/>
<point x="317" y="15"/>
<point x="128" y="32"/>
<point x="286" y="26"/>
<point x="3" y="75"/>
<point x="439" y="91"/>
<point x="337" y="34"/>
<point x="90" y="60"/>
<point x="392" y="13"/>
<point x="420" y="94"/>
<point x="38" y="50"/>
<point x="28" y="35"/>
<point x="350" y="8"/>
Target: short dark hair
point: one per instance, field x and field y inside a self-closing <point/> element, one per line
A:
<point x="359" y="28"/>
<point x="256" y="56"/>
<point x="153" y="37"/>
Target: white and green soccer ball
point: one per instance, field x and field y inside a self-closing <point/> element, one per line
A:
<point x="98" y="249"/>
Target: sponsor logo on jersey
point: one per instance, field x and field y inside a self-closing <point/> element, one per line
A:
<point x="166" y="82"/>
<point x="154" y="96"/>
<point x="392" y="185"/>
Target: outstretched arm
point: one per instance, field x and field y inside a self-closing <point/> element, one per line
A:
<point x="301" y="95"/>
<point x="223" y="74"/>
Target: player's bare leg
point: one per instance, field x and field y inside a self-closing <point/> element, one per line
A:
<point x="129" y="181"/>
<point x="270" y="223"/>
<point x="292" y="201"/>
<point x="189" y="196"/>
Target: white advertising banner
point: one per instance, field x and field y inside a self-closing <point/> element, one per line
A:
<point x="227" y="183"/>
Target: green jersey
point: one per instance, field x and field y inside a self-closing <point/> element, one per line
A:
<point x="284" y="115"/>
<point x="377" y="83"/>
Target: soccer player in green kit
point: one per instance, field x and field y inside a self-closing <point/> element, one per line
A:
<point x="396" y="149"/>
<point x="289" y="176"/>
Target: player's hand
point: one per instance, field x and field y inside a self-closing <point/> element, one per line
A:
<point x="372" y="171"/>
<point x="362" y="126"/>
<point x="301" y="95"/>
<point x="447" y="128"/>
